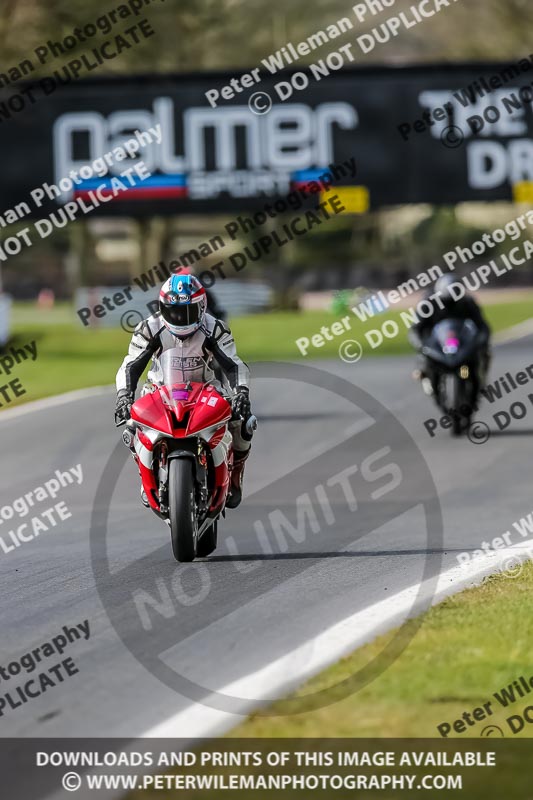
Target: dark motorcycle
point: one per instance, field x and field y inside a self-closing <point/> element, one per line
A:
<point x="454" y="365"/>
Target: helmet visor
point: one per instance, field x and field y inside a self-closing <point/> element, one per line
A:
<point x="181" y="315"/>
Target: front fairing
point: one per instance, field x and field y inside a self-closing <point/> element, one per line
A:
<point x="182" y="409"/>
<point x="172" y="413"/>
<point x="452" y="343"/>
<point x="150" y="411"/>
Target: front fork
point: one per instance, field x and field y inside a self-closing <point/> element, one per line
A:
<point x="200" y="471"/>
<point x="163" y="478"/>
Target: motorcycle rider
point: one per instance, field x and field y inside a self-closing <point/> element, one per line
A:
<point x="449" y="308"/>
<point x="203" y="342"/>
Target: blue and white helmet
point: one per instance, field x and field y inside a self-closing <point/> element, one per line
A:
<point x="183" y="303"/>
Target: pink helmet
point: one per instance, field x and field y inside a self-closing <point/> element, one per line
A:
<point x="182" y="303"/>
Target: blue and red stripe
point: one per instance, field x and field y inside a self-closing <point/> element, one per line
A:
<point x="302" y="177"/>
<point x="153" y="187"/>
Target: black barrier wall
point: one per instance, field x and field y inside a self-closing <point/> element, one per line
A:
<point x="439" y="134"/>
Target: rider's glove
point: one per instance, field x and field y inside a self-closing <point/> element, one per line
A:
<point x="123" y="407"/>
<point x="241" y="403"/>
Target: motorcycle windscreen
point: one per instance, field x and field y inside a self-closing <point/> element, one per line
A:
<point x="175" y="371"/>
<point x="454" y="335"/>
<point x="175" y="367"/>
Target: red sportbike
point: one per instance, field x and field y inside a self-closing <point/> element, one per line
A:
<point x="181" y="442"/>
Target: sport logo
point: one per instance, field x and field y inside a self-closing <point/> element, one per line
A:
<point x="190" y="362"/>
<point x="217" y="157"/>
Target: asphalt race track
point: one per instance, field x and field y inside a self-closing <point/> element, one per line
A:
<point x="363" y="536"/>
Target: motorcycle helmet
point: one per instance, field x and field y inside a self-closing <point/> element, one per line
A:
<point x="442" y="288"/>
<point x="182" y="303"/>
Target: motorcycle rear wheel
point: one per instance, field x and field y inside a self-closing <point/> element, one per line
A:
<point x="182" y="509"/>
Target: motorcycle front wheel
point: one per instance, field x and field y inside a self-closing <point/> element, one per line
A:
<point x="182" y="509"/>
<point x="208" y="541"/>
<point x="464" y="405"/>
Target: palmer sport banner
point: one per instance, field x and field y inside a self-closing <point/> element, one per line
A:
<point x="219" y="142"/>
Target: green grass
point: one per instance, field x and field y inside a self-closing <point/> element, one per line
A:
<point x="274" y="335"/>
<point x="505" y="315"/>
<point x="72" y="357"/>
<point x="67" y="359"/>
<point x="467" y="648"/>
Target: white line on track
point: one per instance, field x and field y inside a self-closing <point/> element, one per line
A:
<point x="283" y="675"/>
<point x="50" y="402"/>
<point x="519" y="331"/>
<point x="291" y="670"/>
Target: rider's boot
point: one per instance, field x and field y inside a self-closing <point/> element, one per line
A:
<point x="420" y="375"/>
<point x="237" y="473"/>
<point x="423" y="374"/>
<point x="427" y="386"/>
